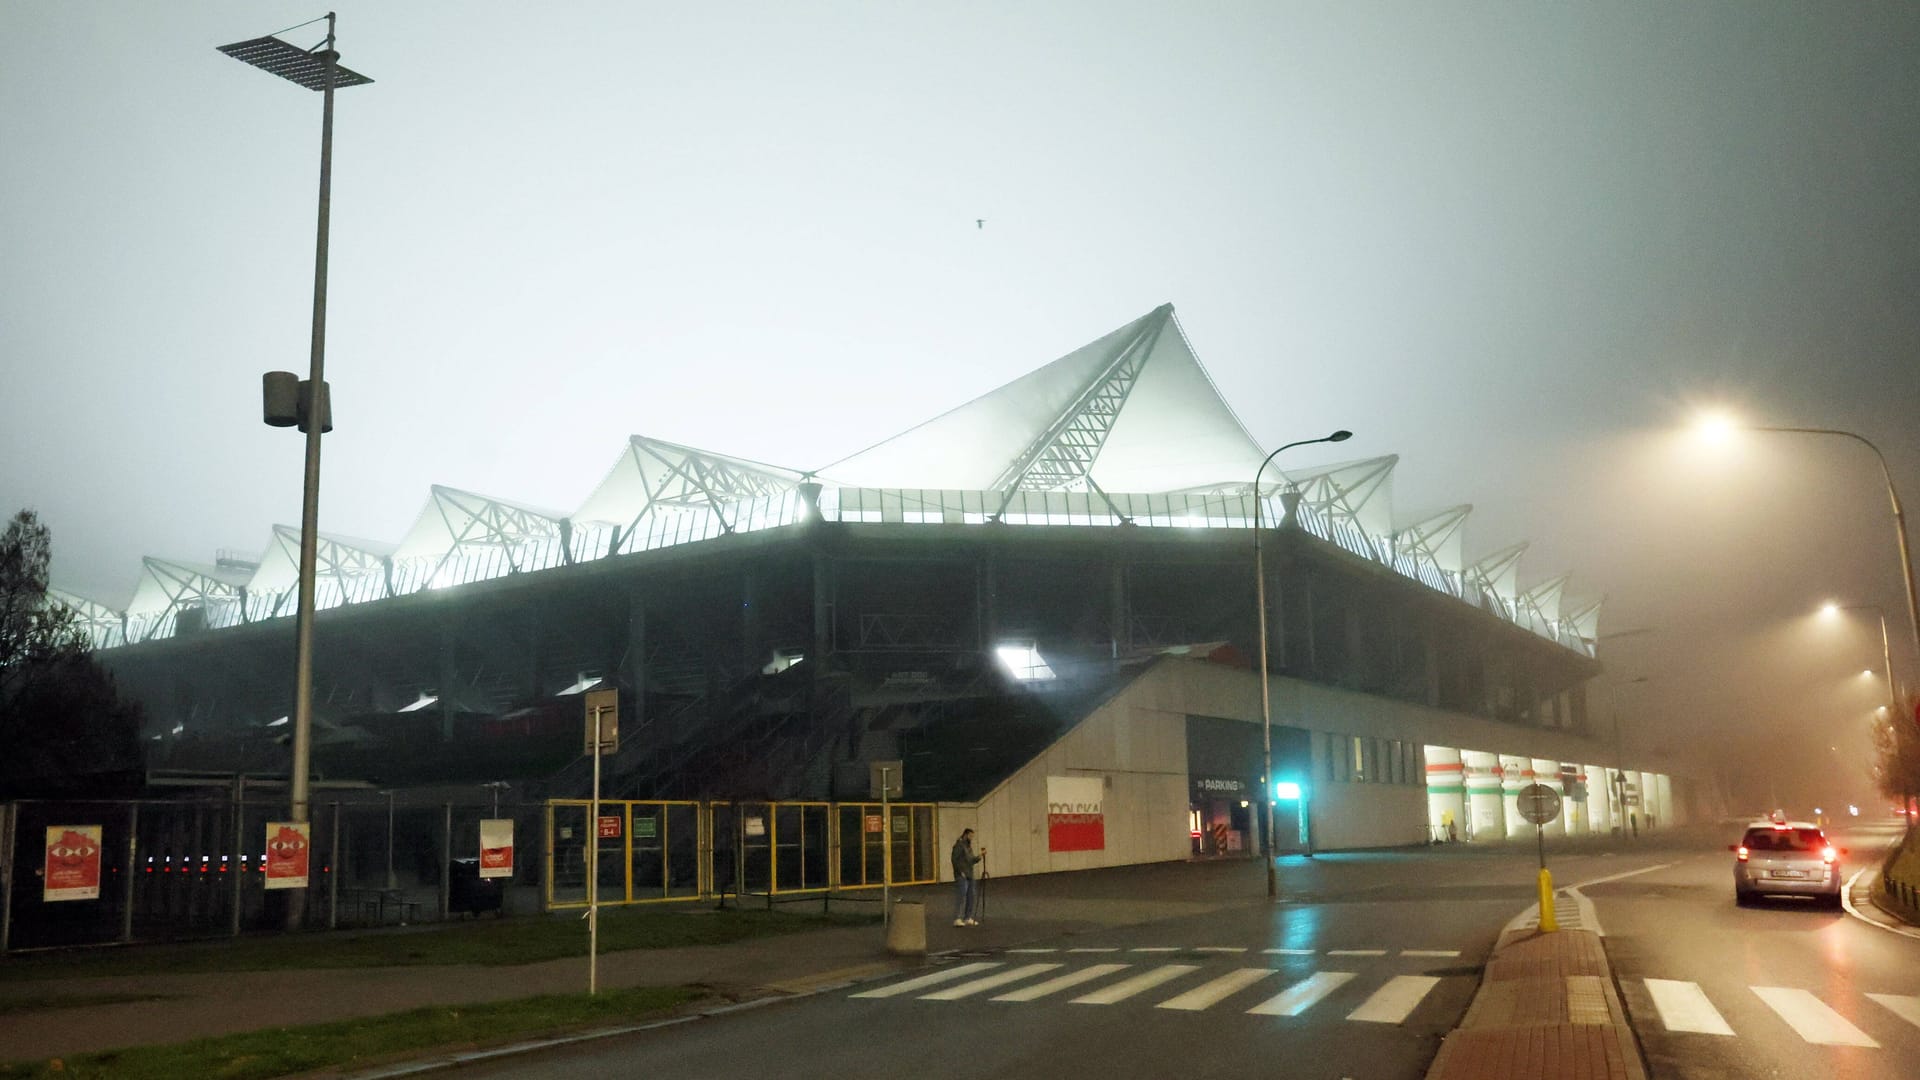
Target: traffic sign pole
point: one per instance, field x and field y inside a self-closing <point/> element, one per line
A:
<point x="1540" y="804"/>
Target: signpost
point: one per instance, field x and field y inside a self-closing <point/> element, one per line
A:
<point x="1540" y="804"/>
<point x="885" y="779"/>
<point x="603" y="737"/>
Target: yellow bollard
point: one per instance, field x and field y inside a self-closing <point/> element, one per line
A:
<point x="1547" y="922"/>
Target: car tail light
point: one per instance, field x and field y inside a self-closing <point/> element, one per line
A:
<point x="1742" y="852"/>
<point x="1827" y="854"/>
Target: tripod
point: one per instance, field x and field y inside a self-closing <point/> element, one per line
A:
<point x="981" y="900"/>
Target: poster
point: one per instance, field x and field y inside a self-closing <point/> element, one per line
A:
<point x="287" y="852"/>
<point x="1074" y="818"/>
<point x="73" y="863"/>
<point x="496" y="847"/>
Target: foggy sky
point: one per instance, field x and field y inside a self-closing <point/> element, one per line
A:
<point x="1516" y="244"/>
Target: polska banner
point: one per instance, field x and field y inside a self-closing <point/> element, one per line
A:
<point x="496" y="847"/>
<point x="288" y="852"/>
<point x="1074" y="818"/>
<point x="73" y="863"/>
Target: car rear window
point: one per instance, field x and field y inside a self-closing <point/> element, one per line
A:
<point x="1784" y="840"/>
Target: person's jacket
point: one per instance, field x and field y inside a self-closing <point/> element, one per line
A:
<point x="964" y="858"/>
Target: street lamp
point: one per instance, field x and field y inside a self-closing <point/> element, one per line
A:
<point x="1833" y="610"/>
<point x="1719" y="426"/>
<point x="1266" y="704"/>
<point x="288" y="401"/>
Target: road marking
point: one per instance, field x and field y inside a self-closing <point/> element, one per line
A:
<point x="1288" y="952"/>
<point x="1144" y="981"/>
<point x="1208" y="994"/>
<point x="1032" y="950"/>
<point x="1302" y="995"/>
<point x="1439" y="953"/>
<point x="1812" y="1018"/>
<point x="925" y="980"/>
<point x="968" y="989"/>
<point x="1356" y="952"/>
<point x="1683" y="1006"/>
<point x="1624" y="874"/>
<point x="1062" y="982"/>
<point x="1906" y="1008"/>
<point x="1158" y="948"/>
<point x="1846" y="901"/>
<point x="1096" y="948"/>
<point x="1393" y="1002"/>
<point x="1222" y="948"/>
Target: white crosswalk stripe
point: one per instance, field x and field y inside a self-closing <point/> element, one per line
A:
<point x="1061" y="982"/>
<point x="934" y="979"/>
<point x="1356" y="952"/>
<point x="989" y="982"/>
<point x="1210" y="993"/>
<point x="1814" y="1020"/>
<point x="1393" y="1002"/>
<point x="1906" y="1008"/>
<point x="1139" y="984"/>
<point x="1683" y="1006"/>
<point x="1302" y="995"/>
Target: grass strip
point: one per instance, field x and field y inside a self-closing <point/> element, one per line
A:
<point x="363" y="1043"/>
<point x="71" y="1001"/>
<point x="491" y="942"/>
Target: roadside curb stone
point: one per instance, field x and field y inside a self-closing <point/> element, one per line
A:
<point x="1546" y="1009"/>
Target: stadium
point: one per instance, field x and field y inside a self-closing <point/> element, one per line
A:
<point x="1040" y="604"/>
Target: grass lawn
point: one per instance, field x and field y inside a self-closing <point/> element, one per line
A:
<point x="487" y="941"/>
<point x="361" y="1043"/>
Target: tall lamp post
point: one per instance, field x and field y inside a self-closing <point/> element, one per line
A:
<point x="1266" y="704"/>
<point x="1886" y="651"/>
<point x="289" y="401"/>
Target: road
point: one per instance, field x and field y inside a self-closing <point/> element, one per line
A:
<point x="1784" y="989"/>
<point x="1369" y="962"/>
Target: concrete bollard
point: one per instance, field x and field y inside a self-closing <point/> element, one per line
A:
<point x="907" y="929"/>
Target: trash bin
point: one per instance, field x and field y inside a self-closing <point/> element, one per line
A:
<point x="907" y="929"/>
<point x="470" y="894"/>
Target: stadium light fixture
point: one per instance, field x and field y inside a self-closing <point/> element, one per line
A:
<point x="1266" y="703"/>
<point x="314" y="69"/>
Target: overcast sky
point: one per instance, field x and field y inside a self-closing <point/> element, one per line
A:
<point x="1517" y="244"/>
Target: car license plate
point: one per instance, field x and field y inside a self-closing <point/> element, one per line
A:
<point x="1790" y="873"/>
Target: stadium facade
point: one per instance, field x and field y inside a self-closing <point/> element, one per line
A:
<point x="1041" y="603"/>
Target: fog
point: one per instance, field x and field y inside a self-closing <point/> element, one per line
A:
<point x="1519" y="245"/>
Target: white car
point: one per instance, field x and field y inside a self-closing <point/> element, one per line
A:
<point x="1786" y="858"/>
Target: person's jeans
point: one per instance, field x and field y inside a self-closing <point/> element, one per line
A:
<point x="963" y="898"/>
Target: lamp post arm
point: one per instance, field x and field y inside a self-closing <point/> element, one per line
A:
<point x="1899" y="523"/>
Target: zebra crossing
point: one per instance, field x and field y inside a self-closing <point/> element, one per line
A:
<point x="1178" y="987"/>
<point x="1685" y="1008"/>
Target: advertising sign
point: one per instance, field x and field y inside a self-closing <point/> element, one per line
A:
<point x="287" y="854"/>
<point x="609" y="826"/>
<point x="73" y="863"/>
<point x="1074" y="818"/>
<point x="496" y="847"/>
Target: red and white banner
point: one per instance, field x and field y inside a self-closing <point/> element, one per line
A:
<point x="1074" y="818"/>
<point x="73" y="863"/>
<point x="288" y="852"/>
<point x="496" y="847"/>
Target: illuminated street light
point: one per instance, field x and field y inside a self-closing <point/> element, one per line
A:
<point x="1266" y="705"/>
<point x="1832" y="609"/>
<point x="319" y="69"/>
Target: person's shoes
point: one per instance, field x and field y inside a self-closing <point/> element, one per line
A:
<point x="959" y="922"/>
<point x="973" y="922"/>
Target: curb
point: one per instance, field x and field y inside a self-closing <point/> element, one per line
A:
<point x="1547" y="1007"/>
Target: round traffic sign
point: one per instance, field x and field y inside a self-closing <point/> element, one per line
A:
<point x="1538" y="803"/>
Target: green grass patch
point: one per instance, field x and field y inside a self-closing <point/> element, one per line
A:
<point x="72" y="1001"/>
<point x="491" y="942"/>
<point x="362" y="1043"/>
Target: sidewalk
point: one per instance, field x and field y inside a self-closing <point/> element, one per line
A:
<point x="1020" y="910"/>
<point x="1546" y="1009"/>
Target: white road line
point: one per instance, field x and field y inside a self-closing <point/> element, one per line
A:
<point x="1393" y="1002"/>
<point x="1906" y="1008"/>
<point x="1430" y="952"/>
<point x="1302" y="995"/>
<point x="1812" y="1018"/>
<point x="1061" y="982"/>
<point x="1144" y="981"/>
<point x="1222" y="948"/>
<point x="1209" y="994"/>
<point x="1032" y="950"/>
<point x="1288" y="952"/>
<point x="990" y="982"/>
<point x="1683" y="1006"/>
<point x="1356" y="952"/>
<point x="1157" y="948"/>
<point x="936" y="978"/>
<point x="1626" y="874"/>
<point x="1096" y="948"/>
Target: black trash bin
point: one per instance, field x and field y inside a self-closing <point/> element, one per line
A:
<point x="470" y="894"/>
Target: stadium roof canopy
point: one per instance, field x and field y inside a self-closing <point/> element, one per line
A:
<point x="1126" y="430"/>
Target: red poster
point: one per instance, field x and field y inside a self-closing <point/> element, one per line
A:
<point x="875" y="824"/>
<point x="496" y="848"/>
<point x="1075" y="817"/>
<point x="73" y="863"/>
<point x="287" y="854"/>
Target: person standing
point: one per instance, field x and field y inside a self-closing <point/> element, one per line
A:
<point x="964" y="896"/>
